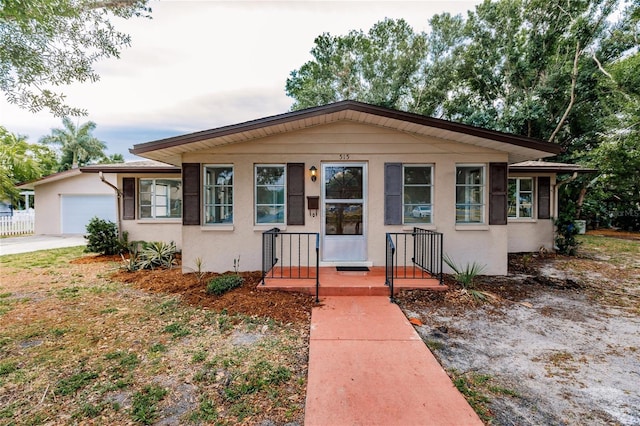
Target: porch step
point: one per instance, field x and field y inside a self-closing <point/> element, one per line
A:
<point x="348" y="283"/>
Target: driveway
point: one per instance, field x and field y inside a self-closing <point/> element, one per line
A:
<point x="29" y="243"/>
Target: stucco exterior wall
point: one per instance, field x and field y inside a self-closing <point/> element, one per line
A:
<point x="531" y="235"/>
<point x="219" y="245"/>
<point x="166" y="230"/>
<point x="48" y="195"/>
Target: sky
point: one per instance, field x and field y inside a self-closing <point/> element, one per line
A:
<point x="199" y="65"/>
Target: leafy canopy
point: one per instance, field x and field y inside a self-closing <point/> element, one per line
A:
<point x="21" y="161"/>
<point x="45" y="44"/>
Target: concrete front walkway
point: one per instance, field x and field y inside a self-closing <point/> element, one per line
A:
<point x="368" y="366"/>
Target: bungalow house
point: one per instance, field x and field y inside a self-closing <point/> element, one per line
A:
<point x="353" y="172"/>
<point x="345" y="179"/>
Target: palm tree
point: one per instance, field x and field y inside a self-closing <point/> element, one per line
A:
<point x="21" y="161"/>
<point x="78" y="146"/>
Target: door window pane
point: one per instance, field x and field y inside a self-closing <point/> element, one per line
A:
<point x="343" y="218"/>
<point x="343" y="183"/>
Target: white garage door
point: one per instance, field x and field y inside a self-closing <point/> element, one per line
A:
<point x="78" y="210"/>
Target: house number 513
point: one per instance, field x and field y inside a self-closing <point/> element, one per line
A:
<point x="344" y="156"/>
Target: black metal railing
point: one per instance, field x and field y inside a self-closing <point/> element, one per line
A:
<point x="415" y="255"/>
<point x="388" y="265"/>
<point x="297" y="255"/>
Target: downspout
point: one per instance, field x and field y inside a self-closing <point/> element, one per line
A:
<point x="118" y="197"/>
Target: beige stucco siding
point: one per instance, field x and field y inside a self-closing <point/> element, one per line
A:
<point x="218" y="246"/>
<point x="48" y="198"/>
<point x="530" y="235"/>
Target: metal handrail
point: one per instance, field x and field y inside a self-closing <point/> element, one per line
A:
<point x="279" y="248"/>
<point x="388" y="267"/>
<point x="415" y="255"/>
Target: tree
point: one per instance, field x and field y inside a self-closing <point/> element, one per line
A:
<point x="21" y="161"/>
<point x="78" y="146"/>
<point x="376" y="67"/>
<point x="549" y="69"/>
<point x="45" y="44"/>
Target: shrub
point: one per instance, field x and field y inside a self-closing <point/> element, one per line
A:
<point x="464" y="275"/>
<point x="224" y="283"/>
<point x="566" y="242"/>
<point x="157" y="254"/>
<point x="102" y="237"/>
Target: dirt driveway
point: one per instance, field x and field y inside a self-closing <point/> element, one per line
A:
<point x="557" y="342"/>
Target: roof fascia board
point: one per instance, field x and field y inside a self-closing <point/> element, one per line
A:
<point x="506" y="138"/>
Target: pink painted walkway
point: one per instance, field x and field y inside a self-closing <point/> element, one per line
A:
<point x="368" y="366"/>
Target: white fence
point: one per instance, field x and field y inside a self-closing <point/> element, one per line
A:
<point x="22" y="222"/>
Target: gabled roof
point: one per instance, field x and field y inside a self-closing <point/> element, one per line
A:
<point x="143" y="166"/>
<point x="537" y="166"/>
<point x="49" y="178"/>
<point x="519" y="148"/>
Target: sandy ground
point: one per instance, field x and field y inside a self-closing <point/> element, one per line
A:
<point x="567" y="358"/>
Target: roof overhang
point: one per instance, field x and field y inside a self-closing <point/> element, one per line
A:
<point x="519" y="148"/>
<point x="137" y="167"/>
<point x="549" y="167"/>
<point x="50" y="178"/>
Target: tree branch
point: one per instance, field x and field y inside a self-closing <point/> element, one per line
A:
<point x="574" y="79"/>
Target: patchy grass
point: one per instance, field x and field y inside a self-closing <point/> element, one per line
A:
<point x="76" y="346"/>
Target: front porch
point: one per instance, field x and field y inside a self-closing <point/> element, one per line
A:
<point x="332" y="282"/>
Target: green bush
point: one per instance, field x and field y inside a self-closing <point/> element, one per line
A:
<point x="224" y="283"/>
<point x="156" y="254"/>
<point x="102" y="237"/>
<point x="566" y="232"/>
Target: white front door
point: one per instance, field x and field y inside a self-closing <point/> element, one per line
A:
<point x="344" y="212"/>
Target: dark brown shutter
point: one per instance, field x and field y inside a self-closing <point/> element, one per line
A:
<point x="295" y="193"/>
<point x="191" y="194"/>
<point x="128" y="198"/>
<point x="393" y="193"/>
<point x="544" y="197"/>
<point x="498" y="185"/>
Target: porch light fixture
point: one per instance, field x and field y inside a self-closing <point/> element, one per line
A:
<point x="313" y="172"/>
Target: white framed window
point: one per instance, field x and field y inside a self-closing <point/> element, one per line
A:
<point x="218" y="194"/>
<point x="470" y="191"/>
<point x="417" y="193"/>
<point x="520" y="198"/>
<point x="270" y="194"/>
<point x="159" y="198"/>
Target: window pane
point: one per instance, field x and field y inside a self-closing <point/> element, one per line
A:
<point x="145" y="199"/>
<point x="145" y="212"/>
<point x="526" y="211"/>
<point x="343" y="183"/>
<point x="417" y="213"/>
<point x="469" y="175"/>
<point x="145" y="185"/>
<point x="526" y="184"/>
<point x="264" y="195"/>
<point x="468" y="214"/>
<point x="343" y="219"/>
<point x="417" y="195"/>
<point x="270" y="175"/>
<point x="270" y="214"/>
<point x="417" y="175"/>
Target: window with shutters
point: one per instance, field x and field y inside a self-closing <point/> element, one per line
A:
<point x="520" y="198"/>
<point x="159" y="198"/>
<point x="270" y="194"/>
<point x="417" y="194"/>
<point x="470" y="193"/>
<point x="218" y="194"/>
